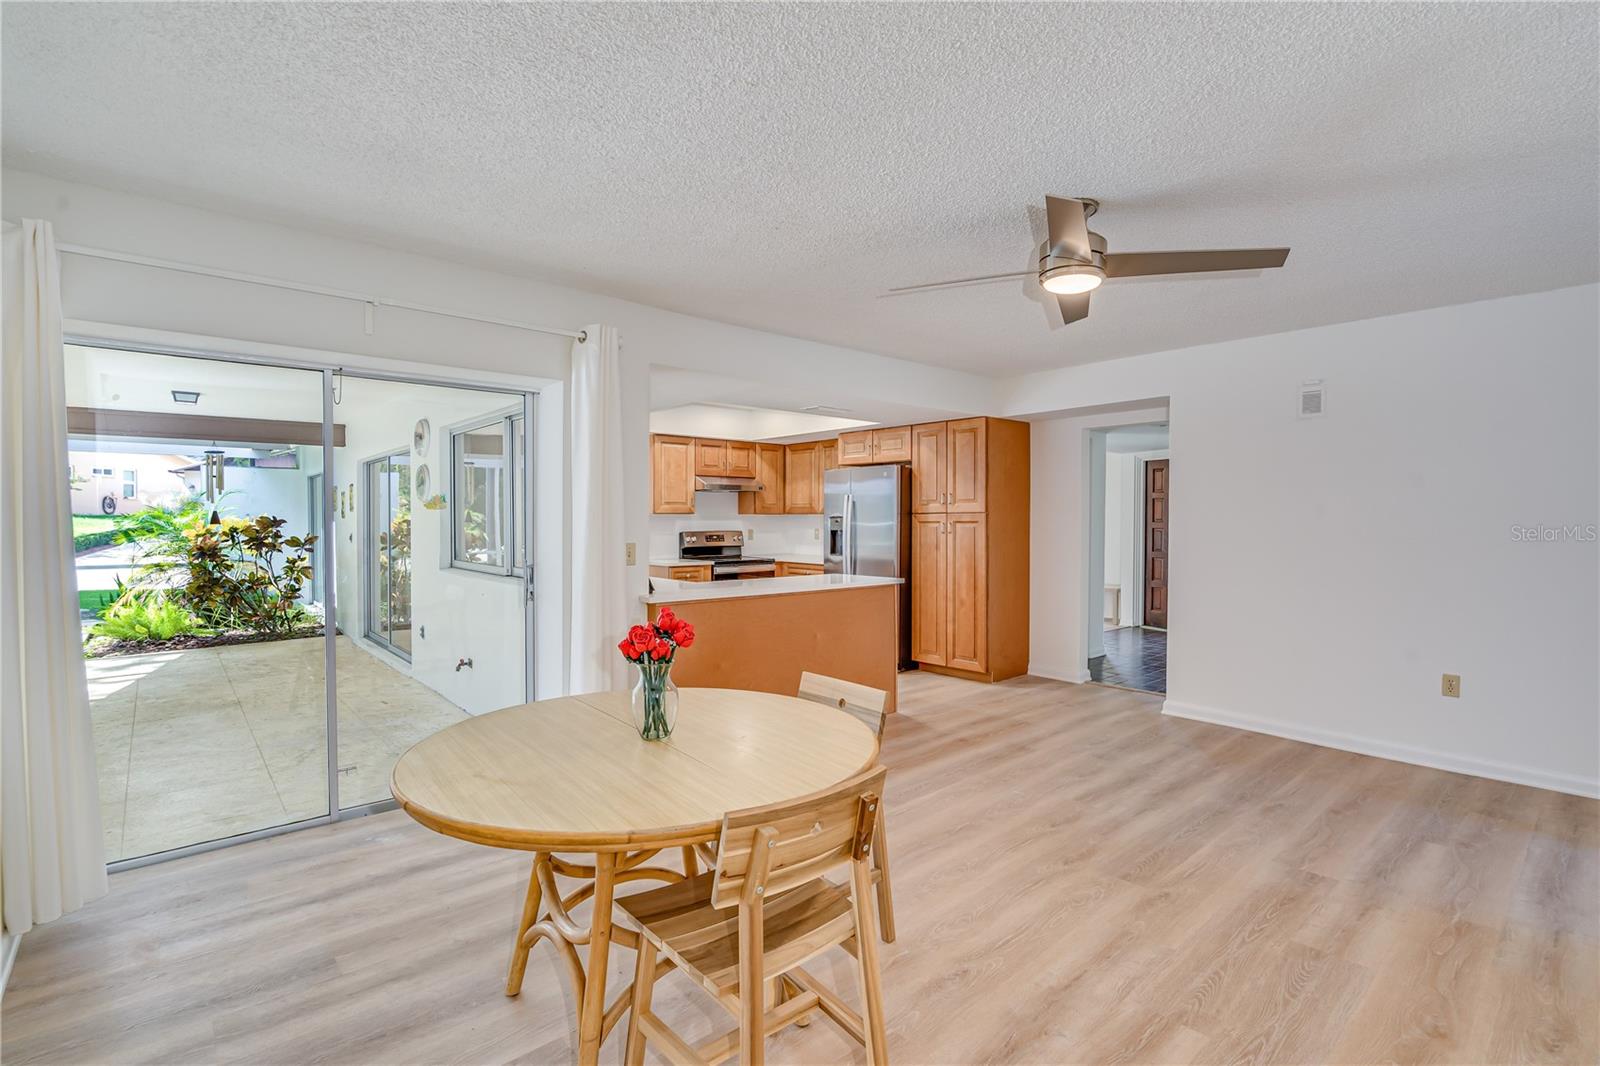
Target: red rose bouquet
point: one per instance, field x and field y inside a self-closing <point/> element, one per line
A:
<point x="651" y="648"/>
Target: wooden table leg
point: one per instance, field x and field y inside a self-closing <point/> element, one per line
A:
<point x="592" y="1011"/>
<point x="530" y="914"/>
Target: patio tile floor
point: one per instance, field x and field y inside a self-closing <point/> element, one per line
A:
<point x="205" y="743"/>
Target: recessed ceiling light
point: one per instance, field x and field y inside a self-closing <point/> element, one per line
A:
<point x="185" y="396"/>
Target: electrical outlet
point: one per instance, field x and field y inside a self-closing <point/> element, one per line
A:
<point x="633" y="553"/>
<point x="816" y="532"/>
<point x="749" y="534"/>
<point x="1450" y="685"/>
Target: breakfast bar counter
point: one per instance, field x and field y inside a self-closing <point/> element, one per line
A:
<point x="762" y="633"/>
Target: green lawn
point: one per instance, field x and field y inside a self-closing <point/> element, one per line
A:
<point x="90" y="523"/>
<point x="91" y="531"/>
<point x="95" y="600"/>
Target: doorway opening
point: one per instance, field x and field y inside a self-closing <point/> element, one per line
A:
<point x="1127" y="608"/>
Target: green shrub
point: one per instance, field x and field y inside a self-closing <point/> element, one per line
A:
<point x="245" y="574"/>
<point x="145" y="618"/>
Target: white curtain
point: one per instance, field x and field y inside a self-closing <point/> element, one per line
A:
<point x="52" y="856"/>
<point x="600" y="610"/>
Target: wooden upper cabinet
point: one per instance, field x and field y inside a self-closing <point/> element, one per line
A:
<point x="710" y="458"/>
<point x="967" y="594"/>
<point x="741" y="459"/>
<point x="802" y="479"/>
<point x="928" y="486"/>
<point x="891" y="445"/>
<point x="967" y="466"/>
<point x="855" y="448"/>
<point x="830" y="454"/>
<point x="930" y="620"/>
<point x="672" y="475"/>
<point x="769" y="471"/>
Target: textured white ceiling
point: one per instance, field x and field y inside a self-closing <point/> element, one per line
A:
<point x="780" y="165"/>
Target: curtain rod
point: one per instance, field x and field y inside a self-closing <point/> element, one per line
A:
<point x="296" y="286"/>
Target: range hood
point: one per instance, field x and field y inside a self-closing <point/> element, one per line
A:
<point x="727" y="484"/>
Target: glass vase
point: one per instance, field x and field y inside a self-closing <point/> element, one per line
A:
<point x="655" y="701"/>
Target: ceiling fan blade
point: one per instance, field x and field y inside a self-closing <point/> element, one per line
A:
<point x="1074" y="307"/>
<point x="1069" y="227"/>
<point x="1141" y="264"/>
<point x="979" y="280"/>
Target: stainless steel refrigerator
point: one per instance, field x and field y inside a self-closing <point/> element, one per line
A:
<point x="867" y="530"/>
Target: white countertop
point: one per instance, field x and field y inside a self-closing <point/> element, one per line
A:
<point x="695" y="591"/>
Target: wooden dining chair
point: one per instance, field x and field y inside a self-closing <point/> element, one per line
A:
<point x="866" y="704"/>
<point x="758" y="917"/>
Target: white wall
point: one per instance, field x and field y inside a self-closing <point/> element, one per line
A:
<point x="139" y="298"/>
<point x="1325" y="572"/>
<point x="774" y="535"/>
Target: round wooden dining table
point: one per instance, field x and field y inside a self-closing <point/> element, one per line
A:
<point x="571" y="776"/>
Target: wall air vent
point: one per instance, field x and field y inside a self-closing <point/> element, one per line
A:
<point x="1313" y="399"/>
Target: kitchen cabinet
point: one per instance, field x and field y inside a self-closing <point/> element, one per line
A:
<point x="724" y="458"/>
<point x="802" y="479"/>
<point x="930" y="581"/>
<point x="830" y="455"/>
<point x="855" y="448"/>
<point x="700" y="572"/>
<point x="892" y="445"/>
<point x="710" y="458"/>
<point x="967" y="598"/>
<point x="741" y="459"/>
<point x="966" y="465"/>
<point x="798" y="569"/>
<point x="969" y="566"/>
<point x="769" y="471"/>
<point x="672" y="466"/>
<point x="864" y="447"/>
<point x="928" y="468"/>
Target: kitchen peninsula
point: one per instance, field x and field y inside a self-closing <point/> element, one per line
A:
<point x="842" y="625"/>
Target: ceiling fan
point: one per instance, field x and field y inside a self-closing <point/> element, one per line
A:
<point x="1073" y="261"/>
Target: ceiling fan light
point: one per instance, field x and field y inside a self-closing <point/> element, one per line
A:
<point x="1071" y="280"/>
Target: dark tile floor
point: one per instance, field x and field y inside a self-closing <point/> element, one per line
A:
<point x="1135" y="658"/>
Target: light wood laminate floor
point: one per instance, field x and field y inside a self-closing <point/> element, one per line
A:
<point x="1155" y="890"/>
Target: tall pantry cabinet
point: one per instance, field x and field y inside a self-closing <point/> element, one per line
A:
<point x="969" y="547"/>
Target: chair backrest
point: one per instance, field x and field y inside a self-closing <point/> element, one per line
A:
<point x="768" y="850"/>
<point x="865" y="703"/>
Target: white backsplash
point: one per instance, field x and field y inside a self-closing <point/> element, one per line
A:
<point x="799" y="535"/>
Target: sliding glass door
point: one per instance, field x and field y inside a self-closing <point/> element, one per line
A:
<point x="195" y="541"/>
<point x="388" y="552"/>
<point x="284" y="584"/>
<point x="430" y="575"/>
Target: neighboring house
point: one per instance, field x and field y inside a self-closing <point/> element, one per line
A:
<point x="121" y="483"/>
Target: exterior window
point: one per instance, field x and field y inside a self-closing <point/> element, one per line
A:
<point x="130" y="484"/>
<point x="488" y="527"/>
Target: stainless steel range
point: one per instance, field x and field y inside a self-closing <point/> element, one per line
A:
<point x="724" y="550"/>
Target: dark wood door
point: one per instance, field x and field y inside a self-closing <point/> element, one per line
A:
<point x="1155" y="543"/>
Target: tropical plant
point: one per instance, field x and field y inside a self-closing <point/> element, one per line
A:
<point x="246" y="574"/>
<point x="146" y="617"/>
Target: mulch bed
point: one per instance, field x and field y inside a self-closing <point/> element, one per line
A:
<point x="100" y="647"/>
